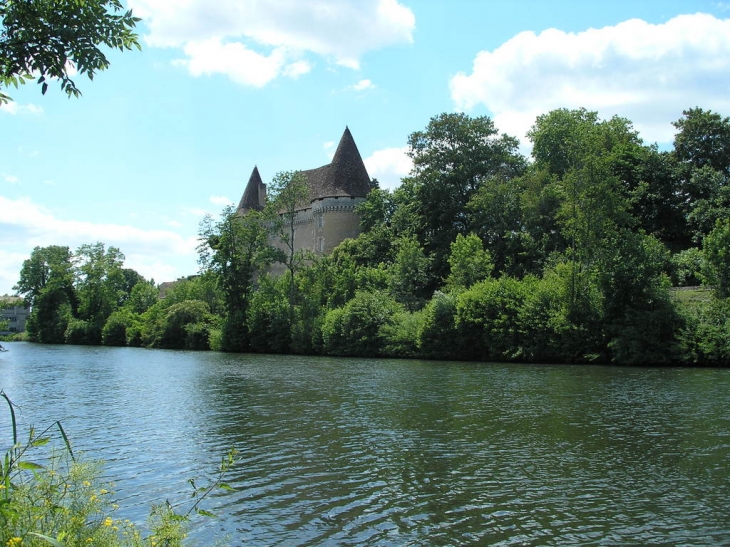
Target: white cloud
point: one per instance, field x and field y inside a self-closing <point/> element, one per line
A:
<point x="389" y="166"/>
<point x="363" y="85"/>
<point x="162" y="254"/>
<point x="220" y="200"/>
<point x="644" y="72"/>
<point x="255" y="41"/>
<point x="11" y="179"/>
<point x="14" y="108"/>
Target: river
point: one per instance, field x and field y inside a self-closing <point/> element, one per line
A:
<point x="395" y="452"/>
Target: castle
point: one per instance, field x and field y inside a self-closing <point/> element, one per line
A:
<point x="327" y="217"/>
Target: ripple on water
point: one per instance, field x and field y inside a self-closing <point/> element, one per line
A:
<point x="392" y="453"/>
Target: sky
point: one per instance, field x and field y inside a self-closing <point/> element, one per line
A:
<point x="171" y="133"/>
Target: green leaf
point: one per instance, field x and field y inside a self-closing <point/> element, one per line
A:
<point x="40" y="441"/>
<point x="205" y="513"/>
<point x="226" y="486"/>
<point x="30" y="466"/>
<point x="50" y="540"/>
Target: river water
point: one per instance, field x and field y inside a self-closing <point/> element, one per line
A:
<point x="393" y="453"/>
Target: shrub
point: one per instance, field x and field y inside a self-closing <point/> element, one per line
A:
<point x="63" y="503"/>
<point x="358" y="327"/>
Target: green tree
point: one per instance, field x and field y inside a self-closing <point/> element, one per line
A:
<point x="437" y="337"/>
<point x="235" y="249"/>
<point x="452" y="158"/>
<point x="186" y="326"/>
<point x="54" y="39"/>
<point x="581" y="153"/>
<point x="702" y="140"/>
<point x="716" y="254"/>
<point x="469" y="262"/>
<point x="358" y="327"/>
<point x="47" y="282"/>
<point x="409" y="273"/>
<point x="288" y="194"/>
<point x="101" y="286"/>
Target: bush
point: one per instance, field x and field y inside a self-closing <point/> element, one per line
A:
<point x="436" y="335"/>
<point x="80" y="331"/>
<point x="487" y="319"/>
<point x="114" y="332"/>
<point x="63" y="502"/>
<point x="705" y="338"/>
<point x="185" y="325"/>
<point x="268" y="317"/>
<point x="358" y="327"/>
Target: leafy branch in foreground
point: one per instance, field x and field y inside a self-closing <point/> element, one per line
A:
<point x="62" y="502"/>
<point x="55" y="39"/>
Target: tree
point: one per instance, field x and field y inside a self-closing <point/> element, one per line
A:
<point x="54" y="39"/>
<point x="716" y="251"/>
<point x="703" y="140"/>
<point x="469" y="262"/>
<point x="288" y="192"/>
<point x="452" y="158"/>
<point x="235" y="249"/>
<point x="409" y="273"/>
<point x="581" y="154"/>
<point x="47" y="281"/>
<point x="101" y="286"/>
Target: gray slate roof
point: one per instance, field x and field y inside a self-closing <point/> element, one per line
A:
<point x="346" y="176"/>
<point x="254" y="196"/>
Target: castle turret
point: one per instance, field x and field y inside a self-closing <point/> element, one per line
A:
<point x="254" y="196"/>
<point x="346" y="176"/>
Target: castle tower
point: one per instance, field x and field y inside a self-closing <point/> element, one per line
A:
<point x="254" y="196"/>
<point x="328" y="216"/>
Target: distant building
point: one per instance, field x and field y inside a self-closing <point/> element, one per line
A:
<point x="14" y="311"/>
<point x="328" y="216"/>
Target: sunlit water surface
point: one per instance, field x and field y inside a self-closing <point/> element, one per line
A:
<point x="395" y="453"/>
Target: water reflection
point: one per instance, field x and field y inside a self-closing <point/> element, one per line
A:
<point x="364" y="452"/>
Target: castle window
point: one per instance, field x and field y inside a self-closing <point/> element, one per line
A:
<point x="320" y="244"/>
<point x="320" y="221"/>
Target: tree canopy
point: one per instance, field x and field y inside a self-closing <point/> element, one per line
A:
<point x="51" y="40"/>
<point x="479" y="254"/>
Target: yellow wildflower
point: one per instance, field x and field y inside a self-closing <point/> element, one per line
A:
<point x="87" y="484"/>
<point x="14" y="541"/>
<point x="108" y="521"/>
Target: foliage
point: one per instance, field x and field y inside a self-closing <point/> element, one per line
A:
<point x="487" y="319"/>
<point x="716" y="254"/>
<point x="101" y="286"/>
<point x="357" y="327"/>
<point x="452" y="158"/>
<point x="268" y="317"/>
<point x="186" y="325"/>
<point x="235" y="250"/>
<point x="288" y="194"/>
<point x="469" y="262"/>
<point x="409" y="273"/>
<point x="686" y="267"/>
<point x="477" y="255"/>
<point x="54" y="39"/>
<point x="47" y="281"/>
<point x="704" y="337"/>
<point x="63" y="502"/>
<point x="114" y="332"/>
<point x="437" y="336"/>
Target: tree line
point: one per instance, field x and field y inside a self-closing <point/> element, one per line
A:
<point x="575" y="255"/>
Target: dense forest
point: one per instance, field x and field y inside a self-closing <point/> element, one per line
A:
<point x="577" y="254"/>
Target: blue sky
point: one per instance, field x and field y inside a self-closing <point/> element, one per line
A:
<point x="173" y="132"/>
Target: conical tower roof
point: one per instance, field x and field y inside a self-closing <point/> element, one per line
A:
<point x="346" y="176"/>
<point x="254" y="196"/>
